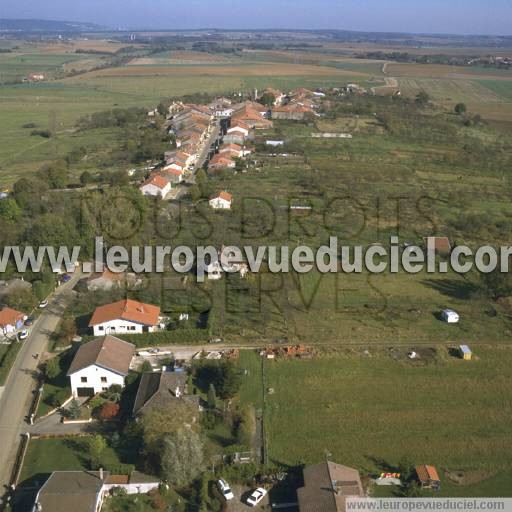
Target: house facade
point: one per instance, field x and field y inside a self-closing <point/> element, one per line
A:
<point x="99" y="364"/>
<point x="221" y="201"/>
<point x="125" y="317"/>
<point x="156" y="185"/>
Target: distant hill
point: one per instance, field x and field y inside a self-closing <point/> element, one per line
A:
<point x="22" y="25"/>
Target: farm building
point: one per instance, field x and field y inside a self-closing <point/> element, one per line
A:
<point x="428" y="477"/>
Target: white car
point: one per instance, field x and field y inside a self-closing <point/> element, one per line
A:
<point x="225" y="490"/>
<point x="256" y="496"/>
<point x="43" y="304"/>
<point x="23" y="335"/>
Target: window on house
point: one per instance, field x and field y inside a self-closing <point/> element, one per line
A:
<point x="103" y="379"/>
<point x="100" y="327"/>
<point x="83" y="379"/>
<point x="104" y="388"/>
<point x="132" y="327"/>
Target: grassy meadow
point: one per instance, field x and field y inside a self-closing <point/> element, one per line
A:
<point x="375" y="408"/>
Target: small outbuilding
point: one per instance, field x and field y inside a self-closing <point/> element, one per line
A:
<point x="465" y="352"/>
<point x="428" y="477"/>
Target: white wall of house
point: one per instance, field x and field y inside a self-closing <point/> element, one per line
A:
<point x="219" y="203"/>
<point x="237" y="128"/>
<point x="152" y="190"/>
<point x="135" y="488"/>
<point x="7" y="329"/>
<point x="120" y="326"/>
<point x="94" y="377"/>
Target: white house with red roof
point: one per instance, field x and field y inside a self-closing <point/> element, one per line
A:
<point x="221" y="201"/>
<point x="10" y="320"/>
<point x="125" y="317"/>
<point x="156" y="185"/>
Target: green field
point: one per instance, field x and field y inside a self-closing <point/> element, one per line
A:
<point x="374" y="409"/>
<point x="501" y="87"/>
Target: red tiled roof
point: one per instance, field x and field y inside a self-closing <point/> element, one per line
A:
<point x="131" y="310"/>
<point x="427" y="473"/>
<point x="10" y="316"/>
<point x="223" y="195"/>
<point x="230" y="147"/>
<point x="157" y="181"/>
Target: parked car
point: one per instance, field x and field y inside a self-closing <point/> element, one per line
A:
<point x="225" y="490"/>
<point x="65" y="278"/>
<point x="256" y="496"/>
<point x="23" y="335"/>
<point x="43" y="304"/>
<point x="29" y="321"/>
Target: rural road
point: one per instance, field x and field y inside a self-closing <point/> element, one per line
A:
<point x="17" y="393"/>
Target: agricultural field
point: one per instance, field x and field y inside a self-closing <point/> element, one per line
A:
<point x="147" y="79"/>
<point x="373" y="408"/>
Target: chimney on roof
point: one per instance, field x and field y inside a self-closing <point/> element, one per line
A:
<point x="101" y="474"/>
<point x="334" y="484"/>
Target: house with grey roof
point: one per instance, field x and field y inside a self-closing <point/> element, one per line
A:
<point x="327" y="486"/>
<point x="85" y="491"/>
<point x="99" y="364"/>
<point x="161" y="390"/>
<point x="79" y="491"/>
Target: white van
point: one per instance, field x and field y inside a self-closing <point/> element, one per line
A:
<point x="450" y="316"/>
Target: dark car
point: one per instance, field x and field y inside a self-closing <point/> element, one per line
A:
<point x="29" y="321"/>
<point x="65" y="278"/>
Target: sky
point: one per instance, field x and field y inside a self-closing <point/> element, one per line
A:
<point x="424" y="16"/>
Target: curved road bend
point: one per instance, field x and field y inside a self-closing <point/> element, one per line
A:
<point x="17" y="393"/>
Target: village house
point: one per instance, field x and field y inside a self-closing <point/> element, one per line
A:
<point x="292" y="112"/>
<point x="85" y="491"/>
<point x="327" y="486"/>
<point x="250" y="116"/>
<point x="108" y="280"/>
<point x="231" y="150"/>
<point x="99" y="364"/>
<point x="11" y="320"/>
<point x="221" y="107"/>
<point x="36" y="77"/>
<point x="221" y="201"/>
<point x="161" y="390"/>
<point x="278" y="95"/>
<point x="125" y="317"/>
<point x="214" y="270"/>
<point x="174" y="176"/>
<point x="221" y="161"/>
<point x="156" y="185"/>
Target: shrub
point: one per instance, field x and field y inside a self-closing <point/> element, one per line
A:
<point x="41" y="133"/>
<point x="109" y="410"/>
